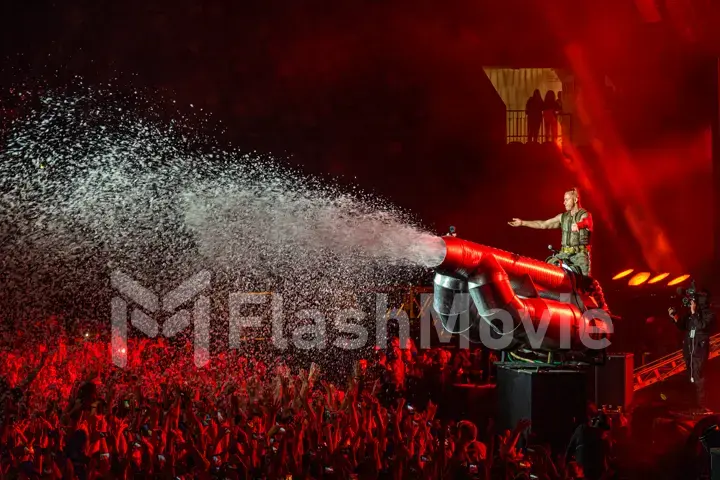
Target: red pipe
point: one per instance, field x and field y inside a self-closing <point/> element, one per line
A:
<point x="464" y="257"/>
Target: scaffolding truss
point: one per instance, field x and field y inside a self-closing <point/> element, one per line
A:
<point x="667" y="366"/>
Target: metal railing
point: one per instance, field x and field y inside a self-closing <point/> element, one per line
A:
<point x="518" y="131"/>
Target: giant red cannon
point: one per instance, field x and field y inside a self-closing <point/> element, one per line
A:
<point x="514" y="302"/>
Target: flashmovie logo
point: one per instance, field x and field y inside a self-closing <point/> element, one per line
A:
<point x="147" y="303"/>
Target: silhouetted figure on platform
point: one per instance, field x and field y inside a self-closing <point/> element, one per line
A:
<point x="534" y="112"/>
<point x="549" y="114"/>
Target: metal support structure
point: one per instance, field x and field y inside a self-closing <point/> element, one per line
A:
<point x="414" y="303"/>
<point x="667" y="366"/>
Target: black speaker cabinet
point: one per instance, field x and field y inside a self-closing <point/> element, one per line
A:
<point x="614" y="381"/>
<point x="715" y="463"/>
<point x="554" y="400"/>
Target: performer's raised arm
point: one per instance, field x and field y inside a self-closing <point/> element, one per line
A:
<point x="539" y="224"/>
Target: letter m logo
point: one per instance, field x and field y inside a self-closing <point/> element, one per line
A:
<point x="130" y="290"/>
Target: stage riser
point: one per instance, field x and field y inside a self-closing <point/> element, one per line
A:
<point x="553" y="400"/>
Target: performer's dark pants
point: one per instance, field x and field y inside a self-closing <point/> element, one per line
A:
<point x="695" y="353"/>
<point x="580" y="260"/>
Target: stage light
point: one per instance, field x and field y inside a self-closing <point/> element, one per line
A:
<point x="639" y="279"/>
<point x="623" y="274"/>
<point x="657" y="278"/>
<point x="677" y="280"/>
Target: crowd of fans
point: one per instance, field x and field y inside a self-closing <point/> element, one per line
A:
<point x="68" y="412"/>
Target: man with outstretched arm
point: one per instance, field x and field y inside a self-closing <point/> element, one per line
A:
<point x="576" y="225"/>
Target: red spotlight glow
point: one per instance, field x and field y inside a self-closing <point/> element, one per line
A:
<point x="639" y="279"/>
<point x="677" y="280"/>
<point x="623" y="274"/>
<point x="657" y="278"/>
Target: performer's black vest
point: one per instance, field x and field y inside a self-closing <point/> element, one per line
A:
<point x="570" y="238"/>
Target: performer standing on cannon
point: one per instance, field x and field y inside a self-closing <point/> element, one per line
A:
<point x="576" y="224"/>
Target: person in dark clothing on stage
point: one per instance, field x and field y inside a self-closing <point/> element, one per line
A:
<point x="697" y="326"/>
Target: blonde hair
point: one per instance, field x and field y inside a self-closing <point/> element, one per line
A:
<point x="575" y="193"/>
